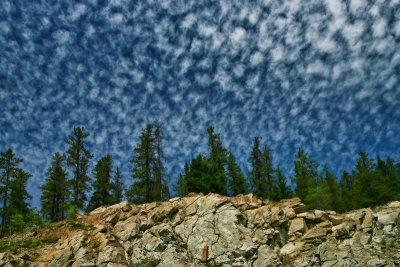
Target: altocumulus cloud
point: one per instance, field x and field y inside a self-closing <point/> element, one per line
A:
<point x="323" y="75"/>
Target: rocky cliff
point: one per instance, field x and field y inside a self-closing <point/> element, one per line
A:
<point x="214" y="230"/>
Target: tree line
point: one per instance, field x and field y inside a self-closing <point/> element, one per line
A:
<point x="370" y="183"/>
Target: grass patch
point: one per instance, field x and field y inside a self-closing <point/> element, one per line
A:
<point x="148" y="262"/>
<point x="81" y="226"/>
<point x="16" y="247"/>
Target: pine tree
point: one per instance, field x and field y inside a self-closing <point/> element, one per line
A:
<point x="261" y="175"/>
<point x="237" y="181"/>
<point x="55" y="191"/>
<point x="345" y="185"/>
<point x="8" y="164"/>
<point x="364" y="180"/>
<point x="306" y="174"/>
<point x="217" y="159"/>
<point x="78" y="159"/>
<point x="102" y="185"/>
<point x="335" y="200"/>
<point x="142" y="190"/>
<point x="118" y="187"/>
<point x="256" y="174"/>
<point x="19" y="196"/>
<point x="161" y="186"/>
<point x="283" y="190"/>
<point x="268" y="172"/>
<point x="200" y="178"/>
<point x="181" y="187"/>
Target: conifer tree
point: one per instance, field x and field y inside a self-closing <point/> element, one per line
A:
<point x="78" y="159"/>
<point x="345" y="185"/>
<point x="261" y="175"/>
<point x="19" y="196"/>
<point x="237" y="181"/>
<point x="256" y="175"/>
<point x="102" y="185"/>
<point x="142" y="190"/>
<point x="217" y="159"/>
<point x="55" y="191"/>
<point x="181" y="187"/>
<point x="283" y="190"/>
<point x="364" y="180"/>
<point x="161" y="186"/>
<point x="200" y="178"/>
<point x="335" y="200"/>
<point x="118" y="187"/>
<point x="306" y="174"/>
<point x="8" y="164"/>
<point x="268" y="173"/>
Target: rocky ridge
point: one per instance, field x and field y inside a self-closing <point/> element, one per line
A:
<point x="215" y="230"/>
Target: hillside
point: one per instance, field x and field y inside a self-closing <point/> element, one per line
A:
<point x="214" y="230"/>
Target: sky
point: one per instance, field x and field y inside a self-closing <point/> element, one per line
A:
<point x="320" y="75"/>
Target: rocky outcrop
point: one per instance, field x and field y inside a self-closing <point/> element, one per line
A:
<point x="214" y="230"/>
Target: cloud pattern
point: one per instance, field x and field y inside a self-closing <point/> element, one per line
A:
<point x="323" y="75"/>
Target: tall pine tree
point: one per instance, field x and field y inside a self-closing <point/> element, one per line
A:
<point x="364" y="180"/>
<point x="268" y="172"/>
<point x="306" y="174"/>
<point x="78" y="159"/>
<point x="55" y="191"/>
<point x="19" y="196"/>
<point x="102" y="185"/>
<point x="161" y="186"/>
<point x="261" y="175"/>
<point x="217" y="160"/>
<point x="283" y="191"/>
<point x="8" y="164"/>
<point x="237" y="181"/>
<point x="142" y="190"/>
<point x="118" y="187"/>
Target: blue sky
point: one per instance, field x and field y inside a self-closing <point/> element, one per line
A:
<point x="323" y="75"/>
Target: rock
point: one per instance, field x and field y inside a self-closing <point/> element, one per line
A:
<point x="387" y="217"/>
<point x="321" y="216"/>
<point x="336" y="220"/>
<point x="293" y="203"/>
<point x="297" y="227"/>
<point x="126" y="207"/>
<point x="394" y="204"/>
<point x="111" y="254"/>
<point x="215" y="230"/>
<point x="266" y="256"/>
<point x="376" y="262"/>
<point x="63" y="260"/>
<point x="292" y="250"/>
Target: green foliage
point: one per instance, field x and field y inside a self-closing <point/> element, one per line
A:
<point x="217" y="161"/>
<point x="306" y="175"/>
<point x="261" y="176"/>
<point x="216" y="173"/>
<point x="148" y="171"/>
<point x="142" y="190"/>
<point x="118" y="187"/>
<point x="72" y="214"/>
<point x="237" y="181"/>
<point x="283" y="191"/>
<point x="148" y="262"/>
<point x="55" y="190"/>
<point x="12" y="189"/>
<point x="17" y="246"/>
<point x="373" y="183"/>
<point x="78" y="157"/>
<point x="17" y="223"/>
<point x="102" y="185"/>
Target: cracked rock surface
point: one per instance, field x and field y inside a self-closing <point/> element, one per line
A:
<point x="215" y="230"/>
